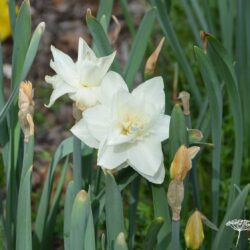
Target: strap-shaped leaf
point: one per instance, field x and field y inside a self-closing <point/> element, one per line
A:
<point x="224" y="67"/>
<point x="139" y="46"/>
<point x="215" y="108"/>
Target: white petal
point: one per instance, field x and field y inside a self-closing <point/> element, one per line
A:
<point x="159" y="176"/>
<point x="115" y="137"/>
<point x="80" y="130"/>
<point x="98" y="121"/>
<point x="84" y="51"/>
<point x="105" y="63"/>
<point x="89" y="73"/>
<point x="145" y="156"/>
<point x="110" y="85"/>
<point x="64" y="66"/>
<point x="152" y="91"/>
<point x="60" y="88"/>
<point x="160" y="127"/>
<point x="87" y="96"/>
<point x="111" y="157"/>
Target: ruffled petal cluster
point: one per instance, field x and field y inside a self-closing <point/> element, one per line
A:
<point x="127" y="128"/>
<point x="81" y="79"/>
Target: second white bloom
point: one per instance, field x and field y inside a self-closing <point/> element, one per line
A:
<point x="128" y="128"/>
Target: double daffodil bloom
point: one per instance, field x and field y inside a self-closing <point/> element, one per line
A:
<point x="81" y="79"/>
<point x="128" y="128"/>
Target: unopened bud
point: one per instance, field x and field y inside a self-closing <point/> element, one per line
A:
<point x="26" y="109"/>
<point x="203" y="36"/>
<point x="194" y="234"/>
<point x="185" y="97"/>
<point x="175" y="197"/>
<point x="194" y="135"/>
<point x="151" y="62"/>
<point x="182" y="162"/>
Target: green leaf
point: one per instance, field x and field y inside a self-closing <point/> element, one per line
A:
<point x="161" y="209"/>
<point x="21" y="42"/>
<point x="209" y="223"/>
<point x="12" y="11"/>
<point x="224" y="237"/>
<point x="23" y="226"/>
<point x="101" y="40"/>
<point x="139" y="47"/>
<point x="29" y="58"/>
<point x="152" y="233"/>
<point x="215" y="108"/>
<point x="79" y="220"/>
<point x="105" y="8"/>
<point x="113" y="209"/>
<point x="52" y="214"/>
<point x="172" y="39"/>
<point x="64" y="149"/>
<point x="178" y="134"/>
<point x="224" y="68"/>
<point x="127" y="16"/>
<point x="68" y="203"/>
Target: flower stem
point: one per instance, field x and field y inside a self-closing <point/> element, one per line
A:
<point x="77" y="165"/>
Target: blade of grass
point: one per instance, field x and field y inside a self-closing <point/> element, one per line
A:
<point x="139" y="46"/>
<point x="215" y="108"/>
<point x="170" y="34"/>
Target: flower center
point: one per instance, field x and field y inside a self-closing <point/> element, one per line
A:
<point x="132" y="123"/>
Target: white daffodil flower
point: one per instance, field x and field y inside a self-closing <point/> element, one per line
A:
<point x="81" y="79"/>
<point x="128" y="128"/>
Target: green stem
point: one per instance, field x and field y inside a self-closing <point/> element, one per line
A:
<point x="77" y="165"/>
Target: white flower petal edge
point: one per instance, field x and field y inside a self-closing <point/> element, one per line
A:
<point x="129" y="126"/>
<point x="80" y="79"/>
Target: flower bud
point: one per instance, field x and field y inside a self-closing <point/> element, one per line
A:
<point x="194" y="234"/>
<point x="182" y="162"/>
<point x="175" y="197"/>
<point x="151" y="62"/>
<point x="26" y="109"/>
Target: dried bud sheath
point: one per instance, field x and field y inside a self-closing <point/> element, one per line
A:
<point x="175" y="197"/>
<point x="26" y="109"/>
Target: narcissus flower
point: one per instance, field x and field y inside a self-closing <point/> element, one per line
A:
<point x="194" y="234"/>
<point x="128" y="128"/>
<point x="182" y="162"/>
<point x="5" y="29"/>
<point x="81" y="79"/>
